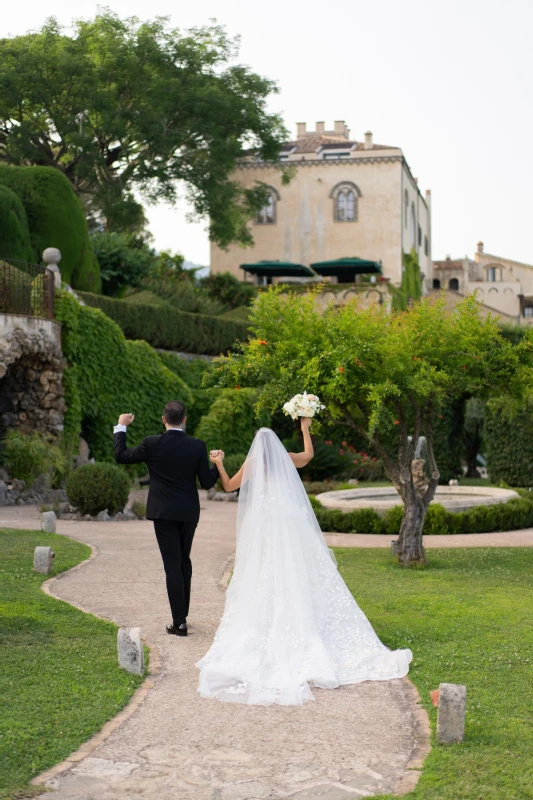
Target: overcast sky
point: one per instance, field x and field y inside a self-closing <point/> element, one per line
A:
<point x="451" y="83"/>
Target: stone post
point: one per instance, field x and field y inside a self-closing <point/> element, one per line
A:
<point x="42" y="560"/>
<point x="452" y="712"/>
<point x="130" y="650"/>
<point x="52" y="257"/>
<point x="48" y="522"/>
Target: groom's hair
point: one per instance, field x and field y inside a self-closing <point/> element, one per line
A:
<point x="174" y="412"/>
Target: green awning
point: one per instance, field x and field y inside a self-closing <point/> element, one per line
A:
<point x="278" y="269"/>
<point x="347" y="268"/>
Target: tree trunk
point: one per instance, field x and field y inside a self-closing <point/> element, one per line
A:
<point x="410" y="543"/>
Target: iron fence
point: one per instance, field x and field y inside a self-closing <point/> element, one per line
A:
<point x="26" y="289"/>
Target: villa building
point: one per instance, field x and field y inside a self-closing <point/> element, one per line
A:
<point x="504" y="286"/>
<point x="347" y="199"/>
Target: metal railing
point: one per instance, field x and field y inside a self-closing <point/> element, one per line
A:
<point x="26" y="289"/>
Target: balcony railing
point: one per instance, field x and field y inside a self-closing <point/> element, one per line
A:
<point x="26" y="289"/>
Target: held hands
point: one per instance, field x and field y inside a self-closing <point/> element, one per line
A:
<point x="126" y="419"/>
<point x="216" y="457"/>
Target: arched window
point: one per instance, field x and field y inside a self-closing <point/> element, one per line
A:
<point x="436" y="283"/>
<point x="345" y="201"/>
<point x="494" y="274"/>
<point x="453" y="284"/>
<point x="412" y="226"/>
<point x="267" y="214"/>
<point x="406" y="208"/>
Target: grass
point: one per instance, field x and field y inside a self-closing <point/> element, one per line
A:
<point x="467" y="619"/>
<point x="60" y="680"/>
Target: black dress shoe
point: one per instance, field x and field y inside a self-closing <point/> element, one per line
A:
<point x="177" y="630"/>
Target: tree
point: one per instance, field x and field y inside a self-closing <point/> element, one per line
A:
<point x="124" y="260"/>
<point x="124" y="105"/>
<point x="385" y="376"/>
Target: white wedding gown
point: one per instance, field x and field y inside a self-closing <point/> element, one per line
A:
<point x="290" y="622"/>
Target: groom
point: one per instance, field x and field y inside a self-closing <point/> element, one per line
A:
<point x="174" y="461"/>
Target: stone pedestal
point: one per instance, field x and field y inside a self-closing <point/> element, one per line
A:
<point x="42" y="560"/>
<point x="48" y="522"/>
<point x="452" y="712"/>
<point x="130" y="650"/>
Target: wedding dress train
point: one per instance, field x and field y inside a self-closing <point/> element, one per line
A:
<point x="290" y="622"/>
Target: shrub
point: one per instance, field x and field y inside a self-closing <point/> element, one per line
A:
<point x="231" y="422"/>
<point x="124" y="260"/>
<point x="55" y="219"/>
<point x="95" y="487"/>
<point x="15" y="239"/>
<point x="139" y="509"/>
<point x="329" y="461"/>
<point x="168" y="328"/>
<point x="190" y="370"/>
<point x="509" y="442"/>
<point x="107" y="375"/>
<point x="233" y="463"/>
<point x="28" y="455"/>
<point x="229" y="290"/>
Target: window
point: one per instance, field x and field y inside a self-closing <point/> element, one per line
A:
<point x="453" y="284"/>
<point x="494" y="274"/>
<point x="267" y="214"/>
<point x="412" y="226"/>
<point x="345" y="205"/>
<point x="406" y="208"/>
<point x="426" y="246"/>
<point x="419" y="235"/>
<point x="436" y="283"/>
<point x="528" y="311"/>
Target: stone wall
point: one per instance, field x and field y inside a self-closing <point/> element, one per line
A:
<point x="31" y="378"/>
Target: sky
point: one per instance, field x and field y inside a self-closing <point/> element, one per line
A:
<point x="451" y="83"/>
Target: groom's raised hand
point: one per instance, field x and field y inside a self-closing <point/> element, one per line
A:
<point x="126" y="419"/>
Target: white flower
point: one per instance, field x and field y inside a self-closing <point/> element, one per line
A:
<point x="303" y="405"/>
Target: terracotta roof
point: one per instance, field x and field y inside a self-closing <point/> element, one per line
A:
<point x="448" y="264"/>
<point x="310" y="144"/>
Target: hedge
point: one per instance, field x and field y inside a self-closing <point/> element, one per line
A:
<point x="55" y="219"/>
<point x="513" y="515"/>
<point x="231" y="422"/>
<point x="509" y="441"/>
<point x="15" y="239"/>
<point x="169" y="328"/>
<point x="108" y="375"/>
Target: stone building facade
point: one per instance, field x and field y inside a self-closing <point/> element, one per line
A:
<point x="503" y="285"/>
<point x="347" y="198"/>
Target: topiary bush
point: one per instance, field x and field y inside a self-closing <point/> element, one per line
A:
<point x="55" y="218"/>
<point x="95" y="487"/>
<point x="508" y="441"/>
<point x="15" y="239"/>
<point x="168" y="328"/>
<point x="28" y="455"/>
<point x="231" y="422"/>
<point x="108" y="375"/>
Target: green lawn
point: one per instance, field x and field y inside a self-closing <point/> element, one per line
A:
<point x="60" y="680"/>
<point x="468" y="619"/>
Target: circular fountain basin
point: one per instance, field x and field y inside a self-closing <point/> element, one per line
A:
<point x="453" y="498"/>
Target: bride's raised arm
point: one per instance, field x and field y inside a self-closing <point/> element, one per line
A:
<point x="228" y="484"/>
<point x="301" y="459"/>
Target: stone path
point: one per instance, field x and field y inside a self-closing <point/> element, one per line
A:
<point x="352" y="742"/>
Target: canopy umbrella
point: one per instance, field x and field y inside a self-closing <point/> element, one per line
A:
<point x="278" y="269"/>
<point x="345" y="269"/>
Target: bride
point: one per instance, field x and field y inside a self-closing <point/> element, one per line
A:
<point x="290" y="622"/>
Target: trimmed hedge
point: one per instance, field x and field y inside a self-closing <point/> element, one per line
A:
<point x="168" y="328"/>
<point x="509" y="441"/>
<point x="108" y="375"/>
<point x="510" y="516"/>
<point x="55" y="218"/>
<point x="231" y="422"/>
<point x="15" y="239"/>
<point x="95" y="487"/>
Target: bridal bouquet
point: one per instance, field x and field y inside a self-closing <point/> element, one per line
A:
<point x="303" y="405"/>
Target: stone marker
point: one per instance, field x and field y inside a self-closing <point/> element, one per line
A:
<point x="452" y="711"/>
<point x="130" y="650"/>
<point x="48" y="522"/>
<point x="394" y="547"/>
<point x="42" y="560"/>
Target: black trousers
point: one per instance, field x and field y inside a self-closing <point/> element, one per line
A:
<point x="175" y="541"/>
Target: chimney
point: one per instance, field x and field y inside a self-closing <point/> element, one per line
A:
<point x="480" y="247"/>
<point x="301" y="130"/>
<point x="320" y="128"/>
<point x="340" y="128"/>
<point x="368" y="140"/>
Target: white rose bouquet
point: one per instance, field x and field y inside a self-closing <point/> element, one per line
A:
<point x="303" y="405"/>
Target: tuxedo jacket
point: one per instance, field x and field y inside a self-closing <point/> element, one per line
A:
<point x="174" y="461"/>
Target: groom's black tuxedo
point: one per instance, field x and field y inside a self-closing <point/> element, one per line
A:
<point x="174" y="461"/>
